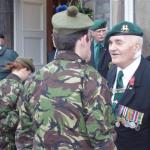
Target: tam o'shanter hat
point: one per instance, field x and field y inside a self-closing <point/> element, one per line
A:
<point x="26" y="63"/>
<point x="124" y="28"/>
<point x="98" y="24"/>
<point x="70" y="21"/>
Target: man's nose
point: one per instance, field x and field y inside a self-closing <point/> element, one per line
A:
<point x="112" y="46"/>
<point x="101" y="33"/>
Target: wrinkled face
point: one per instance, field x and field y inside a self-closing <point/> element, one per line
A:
<point x="123" y="49"/>
<point x="99" y="34"/>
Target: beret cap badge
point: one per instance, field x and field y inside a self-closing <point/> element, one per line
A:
<point x="125" y="28"/>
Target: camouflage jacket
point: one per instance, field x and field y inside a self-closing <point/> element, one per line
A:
<point x="66" y="106"/>
<point x="10" y="90"/>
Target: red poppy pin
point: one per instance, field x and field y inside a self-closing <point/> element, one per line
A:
<point x="131" y="83"/>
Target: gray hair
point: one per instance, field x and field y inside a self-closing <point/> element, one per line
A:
<point x="138" y="40"/>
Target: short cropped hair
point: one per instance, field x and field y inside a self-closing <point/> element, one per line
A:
<point x="67" y="42"/>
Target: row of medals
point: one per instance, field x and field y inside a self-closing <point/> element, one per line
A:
<point x="127" y="123"/>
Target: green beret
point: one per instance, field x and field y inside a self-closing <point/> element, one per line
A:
<point x="124" y="28"/>
<point x="98" y="24"/>
<point x="70" y="21"/>
<point x="26" y="63"/>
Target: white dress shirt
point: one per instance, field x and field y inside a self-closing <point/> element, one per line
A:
<point x="128" y="73"/>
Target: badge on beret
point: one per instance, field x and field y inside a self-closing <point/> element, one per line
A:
<point x="125" y="28"/>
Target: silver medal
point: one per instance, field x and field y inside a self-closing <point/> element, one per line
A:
<point x="117" y="124"/>
<point x="132" y="125"/>
<point x="137" y="128"/>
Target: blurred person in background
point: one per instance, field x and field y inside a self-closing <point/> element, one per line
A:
<point x="6" y="55"/>
<point x="100" y="57"/>
<point x="11" y="89"/>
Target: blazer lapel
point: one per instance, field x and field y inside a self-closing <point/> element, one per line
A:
<point x="127" y="96"/>
<point x="130" y="92"/>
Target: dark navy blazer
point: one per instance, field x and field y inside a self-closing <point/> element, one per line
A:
<point x="138" y="99"/>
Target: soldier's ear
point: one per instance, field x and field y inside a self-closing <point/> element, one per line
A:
<point x="87" y="38"/>
<point x="82" y="38"/>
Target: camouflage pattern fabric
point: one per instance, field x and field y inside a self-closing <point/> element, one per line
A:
<point x="66" y="106"/>
<point x="10" y="90"/>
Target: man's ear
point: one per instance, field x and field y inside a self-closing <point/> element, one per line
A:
<point x="137" y="47"/>
<point x="83" y="38"/>
<point x="87" y="38"/>
<point x="138" y="51"/>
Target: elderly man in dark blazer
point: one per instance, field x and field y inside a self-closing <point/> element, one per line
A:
<point x="129" y="80"/>
<point x="100" y="57"/>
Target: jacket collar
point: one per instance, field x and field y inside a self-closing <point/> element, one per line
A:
<point x="15" y="77"/>
<point x="69" y="55"/>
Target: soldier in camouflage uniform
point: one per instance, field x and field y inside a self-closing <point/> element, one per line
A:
<point x="66" y="104"/>
<point x="10" y="90"/>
